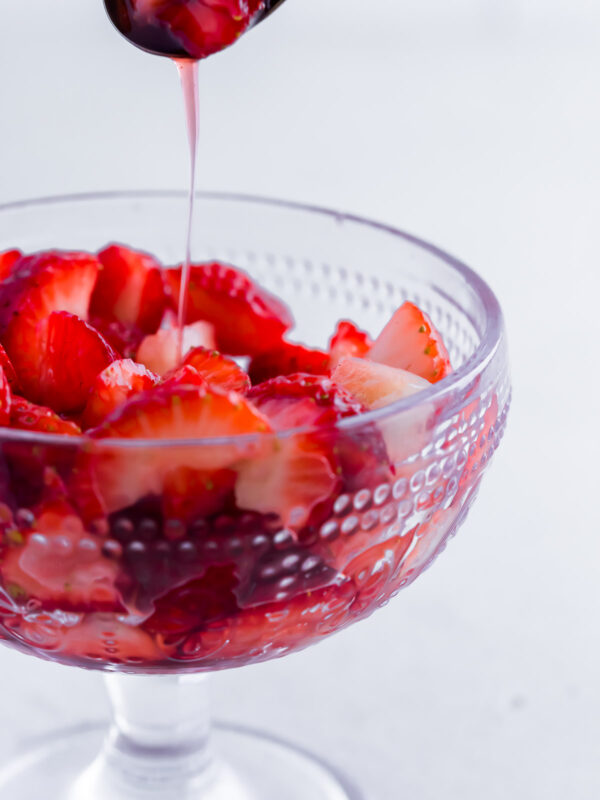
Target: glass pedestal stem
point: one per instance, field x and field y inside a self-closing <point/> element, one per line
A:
<point x="158" y="745"/>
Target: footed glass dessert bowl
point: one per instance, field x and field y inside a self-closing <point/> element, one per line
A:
<point x="159" y="594"/>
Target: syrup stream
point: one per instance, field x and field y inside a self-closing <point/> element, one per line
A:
<point x="188" y="73"/>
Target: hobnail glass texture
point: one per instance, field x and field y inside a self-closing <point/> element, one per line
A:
<point x="139" y="592"/>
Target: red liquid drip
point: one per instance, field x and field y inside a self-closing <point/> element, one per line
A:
<point x="188" y="71"/>
<point x="191" y="29"/>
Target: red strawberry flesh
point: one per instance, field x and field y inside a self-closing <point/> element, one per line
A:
<point x="247" y="319"/>
<point x="37" y="286"/>
<point x="410" y="341"/>
<point x="75" y="355"/>
<point x="117" y="383"/>
<point x="130" y="289"/>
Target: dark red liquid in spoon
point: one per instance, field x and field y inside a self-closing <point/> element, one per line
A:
<point x="191" y="29"/>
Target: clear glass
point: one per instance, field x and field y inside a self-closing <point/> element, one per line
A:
<point x="114" y="583"/>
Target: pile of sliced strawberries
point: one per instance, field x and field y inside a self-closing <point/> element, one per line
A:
<point x="90" y="343"/>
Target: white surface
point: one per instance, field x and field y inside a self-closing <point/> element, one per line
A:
<point x="479" y="130"/>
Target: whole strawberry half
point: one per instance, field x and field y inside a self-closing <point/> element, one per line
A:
<point x="129" y="289"/>
<point x="111" y="477"/>
<point x="411" y="342"/>
<point x="37" y="286"/>
<point x="247" y="319"/>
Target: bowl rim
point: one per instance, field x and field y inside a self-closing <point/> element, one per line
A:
<point x="465" y="374"/>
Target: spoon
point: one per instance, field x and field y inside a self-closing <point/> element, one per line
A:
<point x="186" y="29"/>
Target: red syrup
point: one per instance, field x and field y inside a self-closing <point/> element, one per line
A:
<point x="191" y="29"/>
<point x="188" y="72"/>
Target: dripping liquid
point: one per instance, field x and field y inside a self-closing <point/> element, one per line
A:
<point x="188" y="72"/>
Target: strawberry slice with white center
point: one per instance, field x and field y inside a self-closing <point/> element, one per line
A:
<point x="159" y="352"/>
<point x="113" y="386"/>
<point x="75" y="354"/>
<point x="375" y="385"/>
<point x="130" y="288"/>
<point x="183" y="376"/>
<point x="218" y="369"/>
<point x="410" y="341"/>
<point x="7" y="260"/>
<point x="5" y="399"/>
<point x="247" y="319"/>
<point x="119" y="476"/>
<point x="61" y="565"/>
<point x="302" y="470"/>
<point x="37" y="286"/>
<point x="348" y="340"/>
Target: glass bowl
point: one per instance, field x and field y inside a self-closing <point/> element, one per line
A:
<point x="97" y="573"/>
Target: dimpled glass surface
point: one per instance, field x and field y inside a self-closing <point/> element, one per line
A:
<point x="138" y="592"/>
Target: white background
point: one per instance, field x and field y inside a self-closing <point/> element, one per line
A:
<point x="475" y="124"/>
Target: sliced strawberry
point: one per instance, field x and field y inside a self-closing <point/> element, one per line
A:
<point x="38" y="285"/>
<point x="130" y="289"/>
<point x="375" y="572"/>
<point x="183" y="376"/>
<point x="218" y="370"/>
<point x="375" y="385"/>
<point x="300" y="400"/>
<point x="191" y="494"/>
<point x="125" y="339"/>
<point x="288" y="358"/>
<point x="103" y="638"/>
<point x="28" y="462"/>
<point x="289" y="482"/>
<point x="160" y="351"/>
<point x="288" y="623"/>
<point x="30" y="417"/>
<point x="7" y="260"/>
<point x="60" y="565"/>
<point x="301" y="471"/>
<point x="75" y="354"/>
<point x="170" y="413"/>
<point x="248" y="320"/>
<point x="5" y="399"/>
<point x="195" y="604"/>
<point x="410" y="341"/>
<point x="113" y="386"/>
<point x="203" y="28"/>
<point x="348" y="340"/>
<point x="9" y="370"/>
